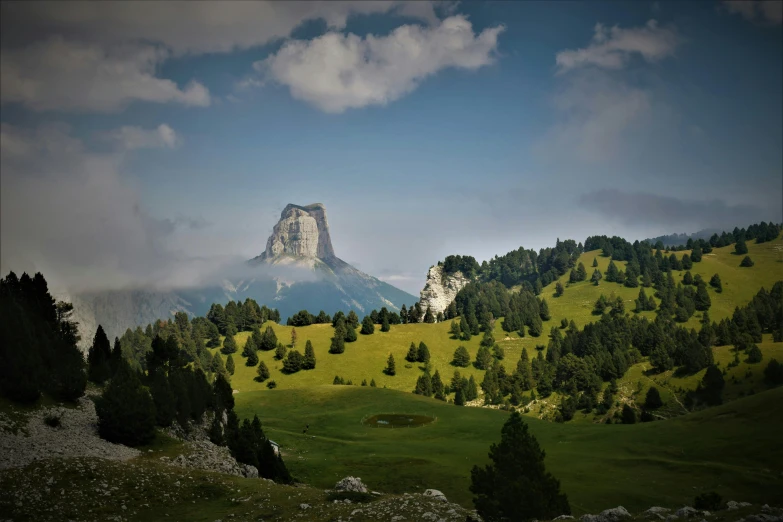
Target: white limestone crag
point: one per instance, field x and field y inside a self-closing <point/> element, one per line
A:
<point x="303" y="231"/>
<point x="441" y="289"/>
<point x="351" y="484"/>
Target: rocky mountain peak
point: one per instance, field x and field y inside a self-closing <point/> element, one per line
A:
<point x="302" y="231"/>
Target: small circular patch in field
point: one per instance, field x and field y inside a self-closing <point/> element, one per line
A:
<point x="397" y="420"/>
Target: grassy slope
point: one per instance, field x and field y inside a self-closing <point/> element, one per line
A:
<point x="366" y="358"/>
<point x="733" y="449"/>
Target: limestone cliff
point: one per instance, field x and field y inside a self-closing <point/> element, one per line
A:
<point x="441" y="289"/>
<point x="301" y="232"/>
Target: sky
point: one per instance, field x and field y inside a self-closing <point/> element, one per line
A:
<point x="152" y="143"/>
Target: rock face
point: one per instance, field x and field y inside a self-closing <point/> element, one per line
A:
<point x="301" y="232"/>
<point x="440" y="290"/>
<point x="205" y="455"/>
<point x="351" y="484"/>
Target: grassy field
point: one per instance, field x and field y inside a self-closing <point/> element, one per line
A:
<point x="733" y="449"/>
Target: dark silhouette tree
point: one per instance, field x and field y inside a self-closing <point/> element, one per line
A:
<point x="740" y="248"/>
<point x="746" y="262"/>
<point x="391" y="367"/>
<point x="262" y="373"/>
<point x="516" y="485"/>
<point x="653" y="399"/>
<point x="99" y="357"/>
<point x="309" y="356"/>
<point x="368" y="327"/>
<point x="461" y="357"/>
<point x="230" y="365"/>
<point x="423" y="353"/>
<point x="293" y="362"/>
<point x="126" y="411"/>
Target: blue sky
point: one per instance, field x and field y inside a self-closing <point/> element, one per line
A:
<point x="145" y="143"/>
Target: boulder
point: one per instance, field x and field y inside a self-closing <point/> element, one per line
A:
<point x="564" y="517"/>
<point x="351" y="484"/>
<point x="608" y="515"/>
<point x="434" y="493"/>
<point x="731" y="505"/>
<point x="687" y="512"/>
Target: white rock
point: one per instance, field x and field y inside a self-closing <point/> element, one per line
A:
<point x="439" y="291"/>
<point x="351" y="484"/>
<point x="608" y="515"/>
<point x="435" y="494"/>
<point x="687" y="512"/>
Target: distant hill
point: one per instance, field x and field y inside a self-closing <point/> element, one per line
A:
<point x="682" y="239"/>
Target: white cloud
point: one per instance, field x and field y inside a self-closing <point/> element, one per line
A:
<point x="612" y="48"/>
<point x="70" y="76"/>
<point x="132" y="138"/>
<point x="336" y="72"/>
<point x="767" y="11"/>
<point x="200" y="27"/>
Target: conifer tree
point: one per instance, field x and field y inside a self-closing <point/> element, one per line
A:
<point x="217" y="365"/>
<point x="595" y="262"/>
<point x="424" y="385"/>
<point x="368" y="328"/>
<point x="404" y="315"/>
<point x="543" y="310"/>
<point x="229" y="345"/>
<point x="413" y="353"/>
<point x="716" y="283"/>
<point x="309" y="356"/>
<point x="746" y="262"/>
<point x="268" y="340"/>
<point x="740" y="248"/>
<point x="516" y="485"/>
<point x="252" y="359"/>
<point x="437" y="386"/>
<point x="428" y="317"/>
<point x="262" y="373"/>
<point x="372" y="383"/>
<point x="293" y="362"/>
<point x="465" y="328"/>
<point x="280" y="351"/>
<point x="461" y="357"/>
<point x="596" y="278"/>
<point x="702" y="300"/>
<point x="423" y="353"/>
<point x="293" y="337"/>
<point x="459" y="397"/>
<point x="116" y="355"/>
<point x="163" y="398"/>
<point x="483" y="358"/>
<point x="230" y="365"/>
<point x="391" y="368"/>
<point x="454" y="330"/>
<point x="99" y="358"/>
<point x="687" y="279"/>
<point x="126" y="411"/>
<point x="471" y="390"/>
<point x="385" y="325"/>
<point x="524" y="375"/>
<point x="612" y="272"/>
<point x="653" y="399"/>
<point x="559" y="289"/>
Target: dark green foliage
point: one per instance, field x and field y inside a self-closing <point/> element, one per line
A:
<point x="754" y="355"/>
<point x="230" y="364"/>
<point x="459" y="397"/>
<point x="280" y="351"/>
<point x="595" y="262"/>
<point x="338" y="341"/>
<point x="372" y="383"/>
<point x="437" y="387"/>
<point x="611" y="272"/>
<point x="773" y="373"/>
<point x="413" y="353"/>
<point x="516" y="485"/>
<point x="543" y="310"/>
<point x="217" y="367"/>
<point x="428" y="317"/>
<point x="628" y="415"/>
<point x="423" y="353"/>
<point x="746" y="262"/>
<point x="653" y="399"/>
<point x="535" y="327"/>
<point x="126" y="412"/>
<point x="687" y="279"/>
<point x="559" y="289"/>
<point x="262" y="373"/>
<point x="498" y="352"/>
<point x="293" y="362"/>
<point x="424" y="385"/>
<point x="252" y="359"/>
<point x="454" y="330"/>
<point x="461" y="357"/>
<point x="471" y="390"/>
<point x="99" y="357"/>
<point x="368" y="328"/>
<point x="716" y="283"/>
<point x="271" y="385"/>
<point x="709" y="501"/>
<point x="702" y="300"/>
<point x="391" y="367"/>
<point x="309" y="356"/>
<point x="268" y="340"/>
<point x="740" y="248"/>
<point x="596" y="277"/>
<point x="249" y="445"/>
<point x="352" y="319"/>
<point x="465" y="264"/>
<point x="385" y="324"/>
<point x="164" y="399"/>
<point x="483" y="358"/>
<point x="465" y="329"/>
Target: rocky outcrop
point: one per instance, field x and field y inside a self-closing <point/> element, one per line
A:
<point x="441" y="289"/>
<point x="301" y="232"/>
<point x="206" y="456"/>
<point x="608" y="515"/>
<point x="351" y="484"/>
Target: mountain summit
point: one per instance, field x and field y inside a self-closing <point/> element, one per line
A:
<point x="301" y="232"/>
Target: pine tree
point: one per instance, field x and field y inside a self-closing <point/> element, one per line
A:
<point x="461" y="357"/>
<point x="413" y="353"/>
<point x="262" y="373"/>
<point x="252" y="359"/>
<point x="116" y="355"/>
<point x="424" y="385"/>
<point x="293" y="362"/>
<point x="746" y="262"/>
<point x="459" y="397"/>
<point x="471" y="390"/>
<point x="338" y="341"/>
<point x="740" y="248"/>
<point x="99" y="358"/>
<point x="293" y="337"/>
<point x="368" y="328"/>
<point x="391" y="368"/>
<point x="535" y="326"/>
<point x="716" y="283"/>
<point x="454" y="330"/>
<point x="465" y="328"/>
<point x="428" y="317"/>
<point x="437" y="386"/>
<point x="229" y="345"/>
<point x="230" y="365"/>
<point x="543" y="310"/>
<point x="163" y="398"/>
<point x="559" y="289"/>
<point x="524" y="375"/>
<point x="483" y="358"/>
<point x="268" y="340"/>
<point x="516" y="485"/>
<point x="595" y="262"/>
<point x="126" y="411"/>
<point x="217" y="365"/>
<point x="596" y="278"/>
<point x="404" y="315"/>
<point x="653" y="399"/>
<point x="309" y="356"/>
<point x="423" y="353"/>
<point x="280" y="351"/>
<point x="612" y="272"/>
<point x="385" y="325"/>
<point x="687" y="279"/>
<point x="702" y="300"/>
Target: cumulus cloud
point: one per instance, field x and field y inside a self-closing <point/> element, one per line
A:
<point x="612" y="48"/>
<point x="132" y="138"/>
<point x="765" y="11"/>
<point x="196" y="27"/>
<point x="640" y="208"/>
<point x="335" y="72"/>
<point x="69" y="76"/>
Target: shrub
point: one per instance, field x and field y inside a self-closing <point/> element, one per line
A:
<point x="52" y="420"/>
<point x="271" y="385"/>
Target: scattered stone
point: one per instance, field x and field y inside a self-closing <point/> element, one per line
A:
<point x="351" y="484"/>
<point x="564" y="517"/>
<point x="304" y="506"/>
<point x="687" y="512"/>
<point x="435" y="494"/>
<point x="732" y="505"/>
<point x="608" y="515"/>
<point x="205" y="455"/>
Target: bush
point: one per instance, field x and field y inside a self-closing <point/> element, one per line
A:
<point x="710" y="501"/>
<point x="271" y="385"/>
<point x="754" y="354"/>
<point x="773" y="373"/>
<point x="52" y="420"/>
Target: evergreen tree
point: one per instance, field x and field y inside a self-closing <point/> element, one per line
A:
<point x="230" y="365"/>
<point x="746" y="262"/>
<point x="454" y="331"/>
<point x="516" y="485"/>
<point x="595" y="262"/>
<point x="716" y="283"/>
<point x="126" y="411"/>
<point x="687" y="279"/>
<point x="391" y="368"/>
<point x="280" y="351"/>
<point x="413" y="353"/>
<point x="385" y="325"/>
<point x="163" y="398"/>
<point x="535" y="327"/>
<point x="293" y="337"/>
<point x="404" y="315"/>
<point x="423" y="353"/>
<point x="352" y="319"/>
<point x="596" y="277"/>
<point x="523" y="373"/>
<point x="483" y="358"/>
<point x="653" y="399"/>
<point x="262" y="373"/>
<point x="217" y="365"/>
<point x="773" y="373"/>
<point x="424" y="385"/>
<point x="268" y="340"/>
<point x="543" y="310"/>
<point x="252" y="359"/>
<point x="437" y="386"/>
<point x="559" y="289"/>
<point x="350" y="333"/>
<point x="309" y="356"/>
<point x="628" y="415"/>
<point x="99" y="358"/>
<point x="461" y="357"/>
<point x="372" y="383"/>
<point x="213" y="335"/>
<point x="250" y="346"/>
<point x="471" y="390"/>
<point x="368" y="327"/>
<point x="754" y="355"/>
<point x="702" y="300"/>
<point x="459" y="397"/>
<point x="229" y="345"/>
<point x="498" y="352"/>
<point x="428" y="317"/>
<point x="293" y="362"/>
<point x="465" y="328"/>
<point x="740" y="248"/>
<point x="488" y="340"/>
<point x="338" y="341"/>
<point x="612" y="272"/>
<point x="116" y="355"/>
